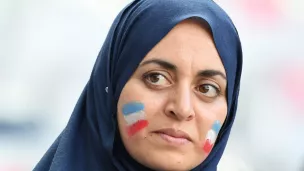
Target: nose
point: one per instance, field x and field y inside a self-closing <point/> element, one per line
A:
<point x="180" y="105"/>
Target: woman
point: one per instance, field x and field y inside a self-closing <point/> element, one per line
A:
<point x="162" y="94"/>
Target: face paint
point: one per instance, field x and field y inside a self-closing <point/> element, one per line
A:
<point x="216" y="126"/>
<point x="211" y="136"/>
<point x="135" y="117"/>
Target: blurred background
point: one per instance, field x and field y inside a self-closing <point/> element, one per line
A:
<point x="48" y="48"/>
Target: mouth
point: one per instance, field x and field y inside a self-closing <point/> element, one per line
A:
<point x="174" y="136"/>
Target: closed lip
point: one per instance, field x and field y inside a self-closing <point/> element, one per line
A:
<point x="174" y="133"/>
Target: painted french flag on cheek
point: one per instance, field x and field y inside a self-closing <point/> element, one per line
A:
<point x="210" y="140"/>
<point x="135" y="117"/>
<point x="211" y="136"/>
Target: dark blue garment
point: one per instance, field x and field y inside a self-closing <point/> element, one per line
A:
<point x="87" y="143"/>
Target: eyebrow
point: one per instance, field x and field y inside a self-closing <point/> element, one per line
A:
<point x="211" y="73"/>
<point x="167" y="65"/>
<point x="162" y="63"/>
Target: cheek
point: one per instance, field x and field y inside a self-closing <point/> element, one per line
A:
<point x="211" y="136"/>
<point x="136" y="127"/>
<point x="134" y="116"/>
<point x="211" y="118"/>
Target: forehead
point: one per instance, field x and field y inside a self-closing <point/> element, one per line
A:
<point x="188" y="45"/>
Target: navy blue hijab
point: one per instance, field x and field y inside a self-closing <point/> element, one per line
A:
<point x="90" y="141"/>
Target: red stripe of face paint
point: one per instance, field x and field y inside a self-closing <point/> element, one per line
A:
<point x="207" y="146"/>
<point x="139" y="125"/>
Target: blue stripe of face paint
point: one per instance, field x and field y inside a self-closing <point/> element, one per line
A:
<point x="132" y="107"/>
<point x="216" y="126"/>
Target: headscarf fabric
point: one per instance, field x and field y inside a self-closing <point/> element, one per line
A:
<point x="91" y="141"/>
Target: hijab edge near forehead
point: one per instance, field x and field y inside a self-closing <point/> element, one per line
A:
<point x="216" y="20"/>
<point x="207" y="25"/>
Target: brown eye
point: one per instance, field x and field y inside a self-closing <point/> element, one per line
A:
<point x="208" y="90"/>
<point x="156" y="79"/>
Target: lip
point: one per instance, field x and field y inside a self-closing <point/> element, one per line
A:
<point x="174" y="136"/>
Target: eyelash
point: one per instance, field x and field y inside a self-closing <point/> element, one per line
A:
<point x="217" y="90"/>
<point x="147" y="75"/>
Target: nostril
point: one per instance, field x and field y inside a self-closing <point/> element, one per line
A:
<point x="180" y="116"/>
<point x="190" y="117"/>
<point x="172" y="113"/>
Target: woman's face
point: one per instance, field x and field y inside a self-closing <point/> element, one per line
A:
<point x="172" y="108"/>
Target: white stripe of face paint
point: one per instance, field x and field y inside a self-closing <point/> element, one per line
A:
<point x="211" y="135"/>
<point x="134" y="117"/>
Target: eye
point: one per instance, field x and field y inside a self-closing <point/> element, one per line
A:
<point x="209" y="90"/>
<point x="156" y="79"/>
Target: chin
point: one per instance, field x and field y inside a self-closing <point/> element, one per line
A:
<point x="157" y="154"/>
<point x="169" y="161"/>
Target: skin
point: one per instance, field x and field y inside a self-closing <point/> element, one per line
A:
<point x="176" y="98"/>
